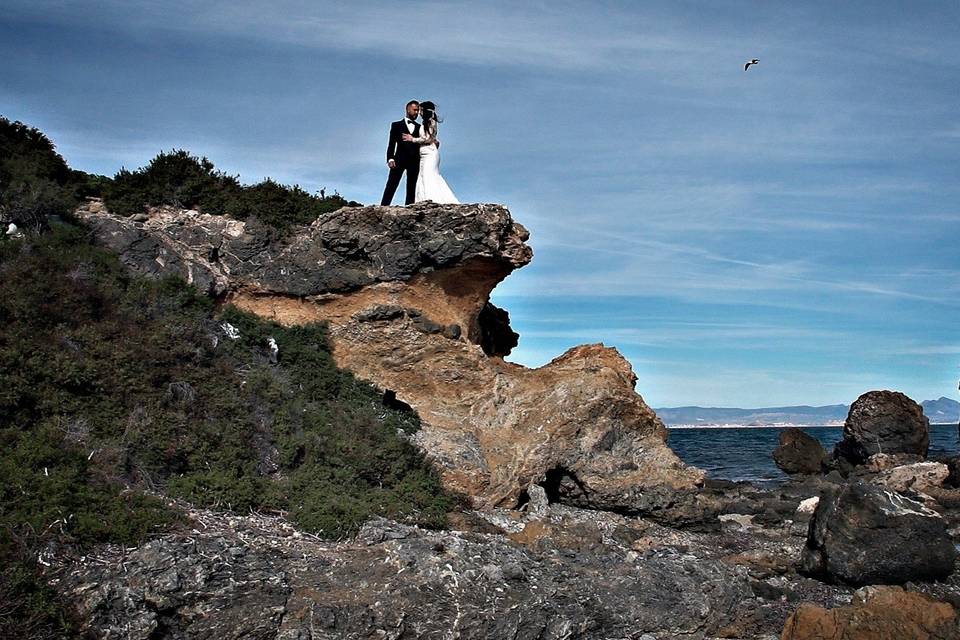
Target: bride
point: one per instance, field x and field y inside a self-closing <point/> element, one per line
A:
<point x="430" y="184"/>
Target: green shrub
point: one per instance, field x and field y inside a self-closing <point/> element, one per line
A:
<point x="143" y="372"/>
<point x="35" y="182"/>
<point x="175" y="178"/>
<point x="179" y="179"/>
<point x="28" y="607"/>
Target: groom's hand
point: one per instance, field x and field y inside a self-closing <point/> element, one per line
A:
<point x="407" y="137"/>
<point x="392" y="164"/>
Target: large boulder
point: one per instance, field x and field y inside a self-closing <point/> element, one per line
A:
<point x="405" y="294"/>
<point x="883" y="422"/>
<point x="876" y="613"/>
<point x="799" y="452"/>
<point x="865" y="534"/>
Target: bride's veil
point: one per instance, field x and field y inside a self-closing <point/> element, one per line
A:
<point x="431" y="120"/>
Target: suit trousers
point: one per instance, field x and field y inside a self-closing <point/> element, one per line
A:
<point x="393" y="181"/>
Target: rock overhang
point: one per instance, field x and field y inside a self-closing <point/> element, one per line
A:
<point x="491" y="427"/>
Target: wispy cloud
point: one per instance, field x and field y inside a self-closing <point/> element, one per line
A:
<point x="563" y="35"/>
<point x="929" y="350"/>
<point x="695" y="269"/>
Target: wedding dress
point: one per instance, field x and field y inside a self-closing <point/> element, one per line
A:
<point x="430" y="184"/>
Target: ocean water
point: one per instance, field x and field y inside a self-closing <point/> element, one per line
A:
<point x="746" y="453"/>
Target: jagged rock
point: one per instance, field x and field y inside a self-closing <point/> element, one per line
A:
<point x="883" y="461"/>
<point x="380" y="313"/>
<point x="391" y="282"/>
<point x="452" y="331"/>
<point x="341" y="251"/>
<point x="883" y="422"/>
<point x="919" y="477"/>
<point x="808" y="506"/>
<point x="799" y="452"/>
<point x="953" y="465"/>
<point x="865" y="534"/>
<point x="231" y="580"/>
<point x="737" y="520"/>
<point x="876" y="613"/>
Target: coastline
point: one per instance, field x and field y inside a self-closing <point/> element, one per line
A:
<point x="778" y="425"/>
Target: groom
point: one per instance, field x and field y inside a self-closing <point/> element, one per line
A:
<point x="403" y="156"/>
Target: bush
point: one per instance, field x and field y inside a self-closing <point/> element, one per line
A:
<point x="179" y="179"/>
<point x="35" y="182"/>
<point x="28" y="607"/>
<point x="143" y="372"/>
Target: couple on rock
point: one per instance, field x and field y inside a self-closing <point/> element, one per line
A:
<point x="414" y="147"/>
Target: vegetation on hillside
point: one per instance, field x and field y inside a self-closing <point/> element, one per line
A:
<point x="167" y="392"/>
<point x="35" y="182"/>
<point x="116" y="388"/>
<point x="179" y="179"/>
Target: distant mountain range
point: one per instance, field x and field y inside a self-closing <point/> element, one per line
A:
<point x="939" y="411"/>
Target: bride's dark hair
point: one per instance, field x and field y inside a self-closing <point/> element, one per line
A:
<point x="428" y="111"/>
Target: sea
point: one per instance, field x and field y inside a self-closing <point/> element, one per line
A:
<point x="746" y="453"/>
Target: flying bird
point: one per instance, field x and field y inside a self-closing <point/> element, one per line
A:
<point x="747" y="66"/>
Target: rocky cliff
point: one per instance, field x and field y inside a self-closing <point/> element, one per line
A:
<point x="405" y="293"/>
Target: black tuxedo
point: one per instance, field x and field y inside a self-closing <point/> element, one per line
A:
<point x="406" y="155"/>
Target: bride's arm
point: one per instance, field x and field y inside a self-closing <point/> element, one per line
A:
<point x="425" y="138"/>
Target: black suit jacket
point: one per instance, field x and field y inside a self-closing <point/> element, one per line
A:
<point x="405" y="154"/>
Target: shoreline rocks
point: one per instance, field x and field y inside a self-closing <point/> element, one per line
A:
<point x="864" y="534"/>
<point x="919" y="477"/>
<point x="546" y="570"/>
<point x="247" y="576"/>
<point x="799" y="452"/>
<point x="876" y="613"/>
<point x="886" y="422"/>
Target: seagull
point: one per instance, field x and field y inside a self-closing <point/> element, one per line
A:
<point x="747" y="66"/>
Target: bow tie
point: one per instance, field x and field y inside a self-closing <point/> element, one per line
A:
<point x="411" y="122"/>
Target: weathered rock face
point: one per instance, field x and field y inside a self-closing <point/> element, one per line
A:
<point x="255" y="577"/>
<point x="341" y="251"/>
<point x="876" y="613"/>
<point x="884" y="461"/>
<point x="799" y="452"/>
<point x="883" y="422"/>
<point x="864" y="534"/>
<point x="405" y="292"/>
<point x="545" y="570"/>
<point x="920" y="476"/>
<point x="953" y="466"/>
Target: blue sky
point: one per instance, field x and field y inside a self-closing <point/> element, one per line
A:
<point x="786" y="235"/>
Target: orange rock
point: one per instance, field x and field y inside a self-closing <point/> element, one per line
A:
<point x="877" y="613"/>
<point x="493" y="427"/>
<point x="402" y="290"/>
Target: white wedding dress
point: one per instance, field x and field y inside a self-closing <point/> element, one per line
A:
<point x="430" y="184"/>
